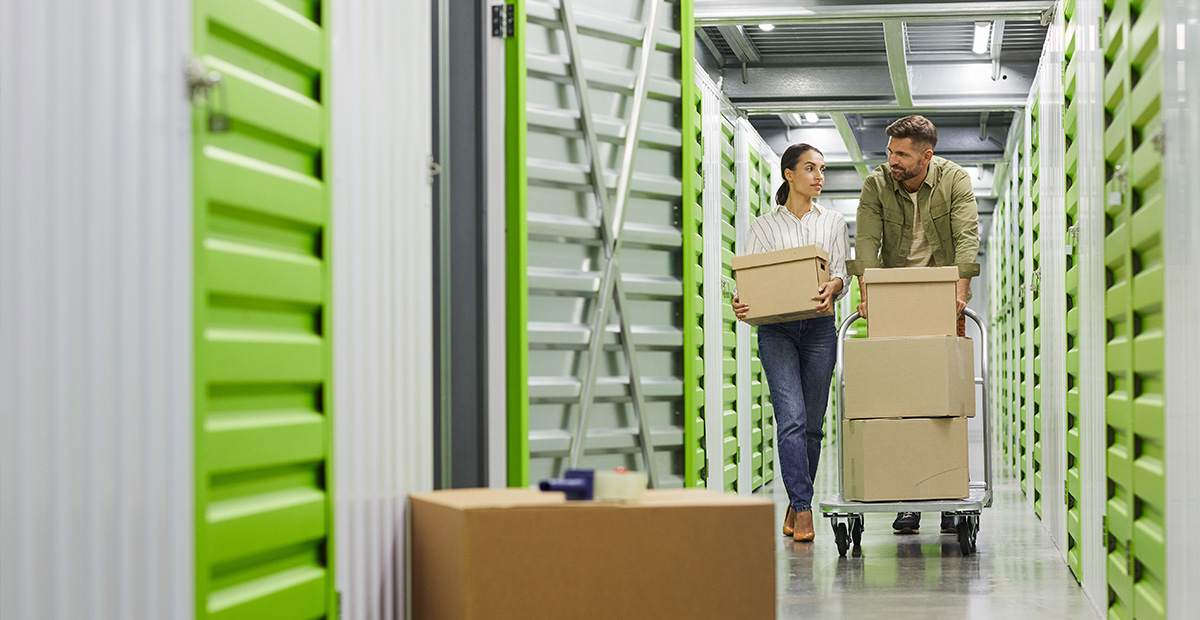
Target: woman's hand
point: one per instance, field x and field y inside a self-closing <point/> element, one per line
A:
<point x="739" y="309"/>
<point x="825" y="294"/>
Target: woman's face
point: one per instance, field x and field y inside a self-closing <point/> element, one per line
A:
<point x="808" y="177"/>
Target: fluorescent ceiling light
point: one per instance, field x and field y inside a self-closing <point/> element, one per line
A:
<point x="811" y="117"/>
<point x="983" y="31"/>
<point x="766" y="27"/>
<point x="792" y="119"/>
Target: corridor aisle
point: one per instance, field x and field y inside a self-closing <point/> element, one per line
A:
<point x="1017" y="573"/>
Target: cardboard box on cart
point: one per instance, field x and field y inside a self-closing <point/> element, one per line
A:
<point x="910" y="377"/>
<point x="905" y="459"/>
<point x="911" y="301"/>
<point x="779" y="286"/>
<point x="517" y="553"/>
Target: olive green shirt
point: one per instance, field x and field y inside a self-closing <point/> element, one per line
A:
<point x="948" y="215"/>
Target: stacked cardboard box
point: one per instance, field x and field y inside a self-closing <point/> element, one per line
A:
<point x="910" y="386"/>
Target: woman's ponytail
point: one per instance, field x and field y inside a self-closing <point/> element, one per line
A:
<point x="781" y="194"/>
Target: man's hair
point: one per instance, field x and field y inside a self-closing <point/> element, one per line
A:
<point x="918" y="128"/>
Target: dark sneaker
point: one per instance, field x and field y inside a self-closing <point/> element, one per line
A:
<point x="948" y="523"/>
<point x="907" y="522"/>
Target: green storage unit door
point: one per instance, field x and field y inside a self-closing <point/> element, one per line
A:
<point x="1136" y="503"/>
<point x="729" y="413"/>
<point x="762" y="415"/>
<point x="1074" y="481"/>
<point x="262" y="304"/>
<point x="693" y="278"/>
<point x="1035" y="300"/>
<point x="1025" y="419"/>
<point x="556" y="250"/>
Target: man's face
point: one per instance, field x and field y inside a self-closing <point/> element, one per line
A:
<point x="907" y="159"/>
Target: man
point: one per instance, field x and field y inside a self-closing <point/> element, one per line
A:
<point x="918" y="210"/>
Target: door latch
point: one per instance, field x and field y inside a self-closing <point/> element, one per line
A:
<point x="202" y="82"/>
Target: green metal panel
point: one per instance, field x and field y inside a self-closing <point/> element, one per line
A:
<point x="693" y="275"/>
<point x="517" y="285"/>
<point x="761" y="202"/>
<point x="1021" y="347"/>
<point x="729" y="413"/>
<point x="1146" y="302"/>
<point x="1035" y="353"/>
<point x="1074" y="477"/>
<point x="555" y="249"/>
<point x="1136" y="500"/>
<point x="264" y="507"/>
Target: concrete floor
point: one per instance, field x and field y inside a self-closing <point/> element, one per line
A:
<point x="1016" y="573"/>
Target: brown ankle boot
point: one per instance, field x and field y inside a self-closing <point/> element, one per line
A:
<point x="803" y="527"/>
<point x="789" y="518"/>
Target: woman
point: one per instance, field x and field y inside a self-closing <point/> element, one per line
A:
<point x="798" y="356"/>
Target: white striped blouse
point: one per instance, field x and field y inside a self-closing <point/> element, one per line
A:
<point x="824" y="228"/>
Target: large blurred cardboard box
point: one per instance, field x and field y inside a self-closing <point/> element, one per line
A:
<point x="780" y="285"/>
<point x="913" y="377"/>
<point x="521" y="554"/>
<point x="911" y="301"/>
<point x="909" y="459"/>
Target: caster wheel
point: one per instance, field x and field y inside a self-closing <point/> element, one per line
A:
<point x="856" y="530"/>
<point x="974" y="532"/>
<point x="964" y="536"/>
<point x="842" y="538"/>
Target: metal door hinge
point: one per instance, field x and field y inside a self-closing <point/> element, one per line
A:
<point x="503" y="20"/>
<point x="201" y="82"/>
<point x="435" y="169"/>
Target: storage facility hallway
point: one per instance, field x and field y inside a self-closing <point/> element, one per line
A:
<point x="528" y="309"/>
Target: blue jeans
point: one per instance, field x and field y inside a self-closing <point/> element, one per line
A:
<point x="798" y="358"/>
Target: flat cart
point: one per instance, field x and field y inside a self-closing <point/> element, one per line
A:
<point x="846" y="517"/>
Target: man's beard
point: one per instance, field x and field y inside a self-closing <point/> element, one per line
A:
<point x="905" y="174"/>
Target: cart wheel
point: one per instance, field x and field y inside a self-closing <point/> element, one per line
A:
<point x="842" y="538"/>
<point x="856" y="529"/>
<point x="964" y="536"/>
<point x="974" y="532"/>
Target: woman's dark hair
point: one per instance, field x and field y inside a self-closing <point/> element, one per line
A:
<point x="790" y="158"/>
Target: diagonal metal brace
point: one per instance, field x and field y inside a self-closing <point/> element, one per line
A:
<point x="611" y="224"/>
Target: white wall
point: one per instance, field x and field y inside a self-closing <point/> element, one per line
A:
<point x="1181" y="250"/>
<point x="96" y="459"/>
<point x="382" y="261"/>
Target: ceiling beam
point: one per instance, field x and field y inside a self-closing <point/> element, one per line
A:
<point x="997" y="41"/>
<point x="850" y="140"/>
<point x="779" y="12"/>
<point x="742" y="46"/>
<point x="960" y="87"/>
<point x="702" y="34"/>
<point x="893" y="38"/>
